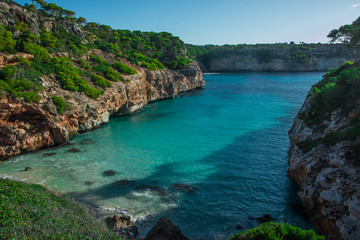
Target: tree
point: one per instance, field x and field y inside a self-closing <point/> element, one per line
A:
<point x="42" y="3"/>
<point x="349" y="35"/>
<point x="81" y="20"/>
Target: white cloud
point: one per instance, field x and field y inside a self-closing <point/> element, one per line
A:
<point x="355" y="5"/>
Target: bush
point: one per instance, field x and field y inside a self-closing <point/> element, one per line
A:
<point x="7" y="43"/>
<point x="47" y="40"/>
<point x="36" y="50"/>
<point x="32" y="212"/>
<point x="123" y="68"/>
<point x="277" y="231"/>
<point x="59" y="103"/>
<point x="101" y="82"/>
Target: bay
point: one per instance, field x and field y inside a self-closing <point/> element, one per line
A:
<point x="229" y="140"/>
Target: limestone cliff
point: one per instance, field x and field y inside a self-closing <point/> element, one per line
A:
<point x="271" y="57"/>
<point x="51" y="56"/>
<point x="26" y="127"/>
<point x="324" y="155"/>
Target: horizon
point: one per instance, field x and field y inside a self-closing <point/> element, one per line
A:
<point x="235" y="22"/>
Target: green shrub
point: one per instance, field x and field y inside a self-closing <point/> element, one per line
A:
<point x="123" y="68"/>
<point x="277" y="231"/>
<point x="112" y="75"/>
<point x="47" y="40"/>
<point x="32" y="212"/>
<point x="38" y="51"/>
<point x="70" y="78"/>
<point x="84" y="64"/>
<point x="101" y="82"/>
<point x="331" y="139"/>
<point x="7" y="42"/>
<point x="21" y="26"/>
<point x="59" y="103"/>
<point x="307" y="145"/>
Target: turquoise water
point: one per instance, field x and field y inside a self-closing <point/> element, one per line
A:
<point x="229" y="140"/>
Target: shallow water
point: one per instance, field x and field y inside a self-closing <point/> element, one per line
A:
<point x="229" y="140"/>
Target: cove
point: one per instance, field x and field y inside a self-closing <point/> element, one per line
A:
<point x="229" y="140"/>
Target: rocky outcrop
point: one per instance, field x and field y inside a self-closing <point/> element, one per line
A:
<point x="328" y="175"/>
<point x="165" y="230"/>
<point x="276" y="58"/>
<point x="122" y="226"/>
<point x="26" y="127"/>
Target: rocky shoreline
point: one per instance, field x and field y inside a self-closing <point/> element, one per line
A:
<point x="327" y="175"/>
<point x="26" y="127"/>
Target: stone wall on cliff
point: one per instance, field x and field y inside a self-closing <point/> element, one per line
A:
<point x="26" y="127"/>
<point x="328" y="174"/>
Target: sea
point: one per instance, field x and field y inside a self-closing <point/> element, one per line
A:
<point x="228" y="143"/>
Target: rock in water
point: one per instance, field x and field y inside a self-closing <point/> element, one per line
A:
<point x="165" y="230"/>
<point x="123" y="183"/>
<point x="122" y="226"/>
<point x="73" y="150"/>
<point x="87" y="141"/>
<point x="27" y="169"/>
<point x="49" y="154"/>
<point x="184" y="187"/>
<point x="109" y="173"/>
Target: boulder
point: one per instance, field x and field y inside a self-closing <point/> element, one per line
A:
<point x="122" y="226"/>
<point x="109" y="173"/>
<point x="165" y="230"/>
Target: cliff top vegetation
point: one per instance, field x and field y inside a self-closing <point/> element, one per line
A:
<point x="83" y="57"/>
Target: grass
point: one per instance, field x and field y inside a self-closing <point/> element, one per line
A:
<point x="30" y="211"/>
<point x="277" y="231"/>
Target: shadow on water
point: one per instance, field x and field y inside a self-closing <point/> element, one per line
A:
<point x="247" y="183"/>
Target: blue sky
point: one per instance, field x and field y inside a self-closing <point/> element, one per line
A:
<point x="222" y="22"/>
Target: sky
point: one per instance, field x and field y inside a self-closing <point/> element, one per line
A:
<point x="221" y="22"/>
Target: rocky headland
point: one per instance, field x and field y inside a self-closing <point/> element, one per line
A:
<point x="27" y="126"/>
<point x="324" y="154"/>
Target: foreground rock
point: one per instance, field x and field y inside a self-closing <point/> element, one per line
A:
<point x="165" y="230"/>
<point x="122" y="226"/>
<point x="328" y="175"/>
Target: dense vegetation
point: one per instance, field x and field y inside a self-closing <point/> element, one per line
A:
<point x="32" y="212"/>
<point x="297" y="53"/>
<point x="339" y="90"/>
<point x="277" y="231"/>
<point x="66" y="54"/>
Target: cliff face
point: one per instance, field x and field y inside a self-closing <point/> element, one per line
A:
<point x="274" y="58"/>
<point x="327" y="172"/>
<point x="28" y="127"/>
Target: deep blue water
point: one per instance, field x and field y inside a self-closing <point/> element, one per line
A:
<point x="229" y="140"/>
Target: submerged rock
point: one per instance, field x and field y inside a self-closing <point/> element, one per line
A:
<point x="264" y="218"/>
<point x="123" y="183"/>
<point x="49" y="154"/>
<point x="161" y="191"/>
<point x="109" y="173"/>
<point x="165" y="230"/>
<point x="88" y="183"/>
<point x="73" y="150"/>
<point x="184" y="187"/>
<point x="87" y="141"/>
<point x="122" y="226"/>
